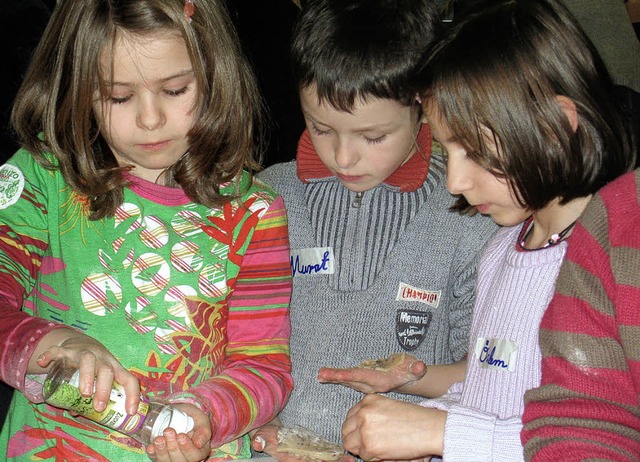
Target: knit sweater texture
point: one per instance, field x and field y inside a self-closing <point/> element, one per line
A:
<point x="588" y="405"/>
<point x="391" y="270"/>
<point x="192" y="300"/>
<point x="484" y="412"/>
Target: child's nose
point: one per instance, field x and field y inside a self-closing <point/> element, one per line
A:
<point x="458" y="181"/>
<point x="150" y="114"/>
<point x="345" y="156"/>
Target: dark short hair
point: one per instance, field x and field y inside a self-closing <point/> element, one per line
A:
<point x="501" y="67"/>
<point x="354" y="49"/>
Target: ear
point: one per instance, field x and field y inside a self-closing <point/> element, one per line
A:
<point x="423" y="119"/>
<point x="569" y="108"/>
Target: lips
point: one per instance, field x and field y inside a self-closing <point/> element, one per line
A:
<point x="154" y="146"/>
<point x="349" y="178"/>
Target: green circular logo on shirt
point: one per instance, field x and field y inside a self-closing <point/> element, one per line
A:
<point x="11" y="185"/>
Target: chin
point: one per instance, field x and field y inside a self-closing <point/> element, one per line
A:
<point x="352" y="187"/>
<point x="509" y="222"/>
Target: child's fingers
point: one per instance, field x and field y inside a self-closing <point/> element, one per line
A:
<point x="259" y="443"/>
<point x="335" y="375"/>
<point x="45" y="359"/>
<point x="190" y="450"/>
<point x="347" y="458"/>
<point x="418" y="369"/>
<point x="131" y="387"/>
<point x="99" y="382"/>
<point x="172" y="447"/>
<point x="266" y="439"/>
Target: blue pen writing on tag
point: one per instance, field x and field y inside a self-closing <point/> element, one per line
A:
<point x="317" y="260"/>
<point x="487" y="357"/>
<point x="496" y="353"/>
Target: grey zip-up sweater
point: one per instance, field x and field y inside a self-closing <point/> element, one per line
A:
<point x="386" y="271"/>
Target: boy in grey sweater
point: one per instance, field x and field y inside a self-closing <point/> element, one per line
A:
<point x="380" y="264"/>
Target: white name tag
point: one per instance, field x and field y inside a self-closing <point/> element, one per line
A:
<point x="316" y="260"/>
<point x="407" y="293"/>
<point x="496" y="353"/>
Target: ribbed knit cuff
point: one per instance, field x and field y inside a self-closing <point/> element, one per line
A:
<point x="475" y="436"/>
<point x="468" y="435"/>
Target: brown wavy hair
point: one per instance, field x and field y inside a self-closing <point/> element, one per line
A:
<point x="53" y="110"/>
<point x="500" y="68"/>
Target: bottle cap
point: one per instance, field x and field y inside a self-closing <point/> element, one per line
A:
<point x="180" y="421"/>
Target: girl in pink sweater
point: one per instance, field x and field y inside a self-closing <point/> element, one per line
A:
<point x="588" y="405"/>
<point x="520" y="101"/>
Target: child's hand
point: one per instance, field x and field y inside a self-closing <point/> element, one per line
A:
<point x="422" y="459"/>
<point x="380" y="428"/>
<point x="192" y="447"/>
<point x="368" y="380"/>
<point x="265" y="439"/>
<point x="96" y="365"/>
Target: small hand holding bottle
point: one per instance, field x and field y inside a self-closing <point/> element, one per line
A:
<point x="98" y="367"/>
<point x="190" y="447"/>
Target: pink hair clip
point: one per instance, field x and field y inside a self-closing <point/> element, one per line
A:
<point x="189" y="9"/>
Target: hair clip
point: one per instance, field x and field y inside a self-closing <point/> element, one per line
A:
<point x="189" y="9"/>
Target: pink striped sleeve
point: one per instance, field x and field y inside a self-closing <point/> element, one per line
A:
<point x="20" y="332"/>
<point x="256" y="381"/>
<point x="588" y="405"/>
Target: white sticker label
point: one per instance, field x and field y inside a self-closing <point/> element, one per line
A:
<point x="316" y="260"/>
<point x="496" y="353"/>
<point x="11" y="185"/>
<point x="407" y="293"/>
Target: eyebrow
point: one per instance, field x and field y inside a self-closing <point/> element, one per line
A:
<point x="162" y="80"/>
<point x="368" y="128"/>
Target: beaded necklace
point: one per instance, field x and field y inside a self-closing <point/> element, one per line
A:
<point x="553" y="240"/>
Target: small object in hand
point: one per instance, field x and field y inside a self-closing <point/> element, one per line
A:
<point x="383" y="364"/>
<point x="301" y="442"/>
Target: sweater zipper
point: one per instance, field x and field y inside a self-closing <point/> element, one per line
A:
<point x="357" y="201"/>
<point x="354" y="237"/>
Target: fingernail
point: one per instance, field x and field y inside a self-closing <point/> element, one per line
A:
<point x="261" y="443"/>
<point x="202" y="441"/>
<point x="182" y="439"/>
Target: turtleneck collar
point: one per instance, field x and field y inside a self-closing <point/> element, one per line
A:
<point x="408" y="177"/>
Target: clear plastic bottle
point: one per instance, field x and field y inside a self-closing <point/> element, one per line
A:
<point x="61" y="390"/>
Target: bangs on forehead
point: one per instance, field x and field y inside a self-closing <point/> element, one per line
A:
<point x="472" y="131"/>
<point x="127" y="39"/>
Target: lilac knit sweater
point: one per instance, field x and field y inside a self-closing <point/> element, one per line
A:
<point x="485" y="411"/>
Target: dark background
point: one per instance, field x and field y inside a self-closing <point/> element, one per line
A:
<point x="265" y="42"/>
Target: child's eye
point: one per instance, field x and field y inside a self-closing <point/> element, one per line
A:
<point x="178" y="92"/>
<point x="319" y="132"/>
<point x="377" y="140"/>
<point x="120" y="100"/>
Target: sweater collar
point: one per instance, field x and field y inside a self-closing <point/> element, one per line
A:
<point x="408" y="177"/>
